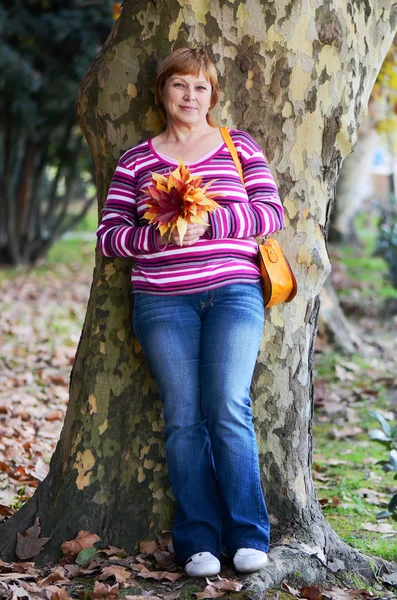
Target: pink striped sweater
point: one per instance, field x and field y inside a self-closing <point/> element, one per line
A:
<point x="227" y="254"/>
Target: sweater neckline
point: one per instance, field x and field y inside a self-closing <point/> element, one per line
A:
<point x="174" y="161"/>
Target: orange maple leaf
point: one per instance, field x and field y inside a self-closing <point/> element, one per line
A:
<point x="177" y="200"/>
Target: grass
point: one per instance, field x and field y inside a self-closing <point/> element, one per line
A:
<point x="78" y="252"/>
<point x="367" y="271"/>
<point x="358" y="470"/>
<point x="365" y="283"/>
<point x="90" y="220"/>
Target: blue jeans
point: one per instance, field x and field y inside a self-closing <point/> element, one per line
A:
<point x="202" y="350"/>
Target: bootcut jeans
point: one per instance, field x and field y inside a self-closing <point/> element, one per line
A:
<point x="202" y="349"/>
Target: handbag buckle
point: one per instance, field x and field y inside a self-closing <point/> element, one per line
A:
<point x="271" y="253"/>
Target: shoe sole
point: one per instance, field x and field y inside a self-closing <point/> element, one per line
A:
<point x="252" y="569"/>
<point x="206" y="574"/>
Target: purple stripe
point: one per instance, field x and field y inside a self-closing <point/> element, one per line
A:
<point x="245" y="212"/>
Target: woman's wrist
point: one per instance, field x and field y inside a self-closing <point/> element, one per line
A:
<point x="162" y="241"/>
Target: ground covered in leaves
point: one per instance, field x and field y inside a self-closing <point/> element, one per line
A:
<point x="40" y="322"/>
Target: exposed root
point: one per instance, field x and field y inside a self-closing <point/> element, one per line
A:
<point x="298" y="567"/>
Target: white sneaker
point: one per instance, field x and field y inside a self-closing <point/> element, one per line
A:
<point x="248" y="560"/>
<point x="202" y="564"/>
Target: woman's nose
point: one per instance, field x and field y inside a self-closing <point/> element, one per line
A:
<point x="189" y="93"/>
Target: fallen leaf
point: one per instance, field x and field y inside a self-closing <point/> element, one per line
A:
<point x="390" y="578"/>
<point x="84" y="539"/>
<point x="58" y="574"/>
<point x="171" y="595"/>
<point x="41" y="469"/>
<point x="290" y="589"/>
<point x="348" y="431"/>
<point x="17" y="592"/>
<point x="139" y="567"/>
<point x="146" y="574"/>
<point x="343" y="374"/>
<point x="13" y="576"/>
<point x="52" y="592"/>
<point x="209" y="592"/>
<point x="76" y="571"/>
<point x="335" y="593"/>
<point x="104" y="591"/>
<point x="31" y="544"/>
<point x="113" y="551"/>
<point x="319" y="477"/>
<point x="372" y="496"/>
<point x="142" y="597"/>
<point x="25" y="567"/>
<point x="312" y="551"/>
<point x="148" y="547"/>
<point x="55" y="415"/>
<point x="166" y="561"/>
<point x="379" y="528"/>
<point x="85" y="556"/>
<point x="336" y="565"/>
<point x="6" y="511"/>
<point x="332" y="462"/>
<point x="226" y="585"/>
<point x="311" y="593"/>
<point x="165" y="541"/>
<point x="119" y="573"/>
<point x="31" y="587"/>
<point x="60" y="595"/>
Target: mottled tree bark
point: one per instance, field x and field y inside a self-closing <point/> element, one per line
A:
<point x="296" y="76"/>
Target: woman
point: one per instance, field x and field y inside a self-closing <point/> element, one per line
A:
<point x="198" y="313"/>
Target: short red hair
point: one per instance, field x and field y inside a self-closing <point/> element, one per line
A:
<point x="187" y="61"/>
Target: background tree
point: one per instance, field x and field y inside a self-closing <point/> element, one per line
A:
<point x="355" y="184"/>
<point x="296" y="77"/>
<point x="357" y="190"/>
<point x="45" y="49"/>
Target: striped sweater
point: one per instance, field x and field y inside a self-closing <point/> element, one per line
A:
<point x="227" y="254"/>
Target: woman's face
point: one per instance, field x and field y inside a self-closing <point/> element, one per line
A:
<point x="186" y="99"/>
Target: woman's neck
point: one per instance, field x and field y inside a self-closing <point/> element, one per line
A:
<point x="181" y="134"/>
<point x="189" y="143"/>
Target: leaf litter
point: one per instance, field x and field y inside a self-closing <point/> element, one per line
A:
<point x="40" y="324"/>
<point x="40" y="320"/>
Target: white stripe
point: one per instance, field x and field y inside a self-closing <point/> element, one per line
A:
<point x="262" y="180"/>
<point x="120" y="169"/>
<point x="248" y="245"/>
<point x="121" y="235"/>
<point x="108" y="216"/>
<point x="102" y="243"/>
<point x="241" y="220"/>
<point x="149" y="161"/>
<point x="194" y="277"/>
<point x="113" y="196"/>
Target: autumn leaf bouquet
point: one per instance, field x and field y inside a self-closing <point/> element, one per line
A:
<point x="177" y="200"/>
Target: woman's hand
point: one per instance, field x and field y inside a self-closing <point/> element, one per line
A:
<point x="193" y="233"/>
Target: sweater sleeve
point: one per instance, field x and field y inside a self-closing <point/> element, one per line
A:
<point x="119" y="232"/>
<point x="263" y="213"/>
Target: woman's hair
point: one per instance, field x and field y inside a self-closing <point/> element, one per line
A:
<point x="187" y="61"/>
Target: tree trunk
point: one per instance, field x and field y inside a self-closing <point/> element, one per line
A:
<point x="295" y="75"/>
<point x="354" y="191"/>
<point x="334" y="324"/>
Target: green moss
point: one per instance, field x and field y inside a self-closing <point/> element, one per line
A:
<point x="186" y="593"/>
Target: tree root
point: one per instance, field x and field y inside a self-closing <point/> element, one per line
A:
<point x="298" y="567"/>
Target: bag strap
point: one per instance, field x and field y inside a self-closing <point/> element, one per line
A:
<point x="227" y="138"/>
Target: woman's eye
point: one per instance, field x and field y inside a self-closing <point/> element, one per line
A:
<point x="201" y="87"/>
<point x="178" y="84"/>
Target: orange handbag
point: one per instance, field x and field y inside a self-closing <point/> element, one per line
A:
<point x="279" y="283"/>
